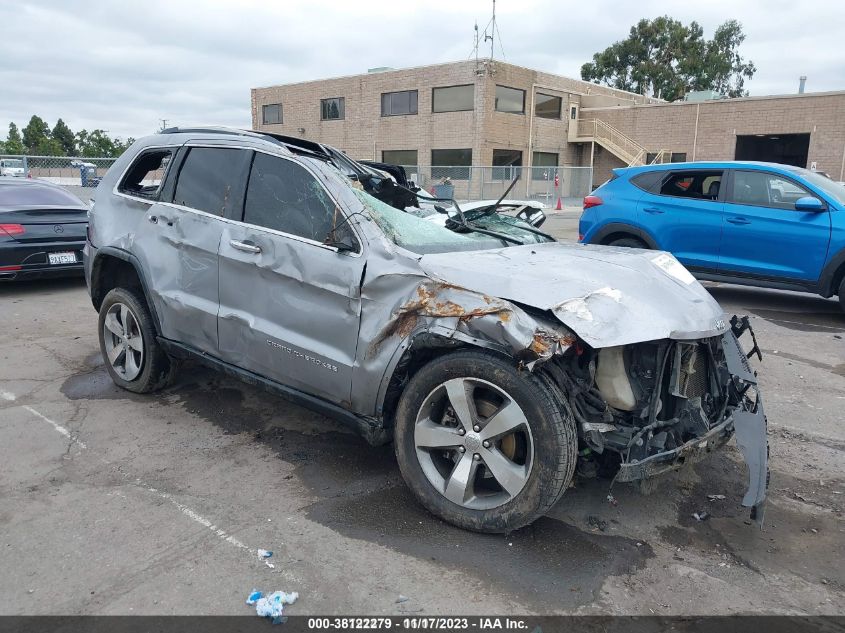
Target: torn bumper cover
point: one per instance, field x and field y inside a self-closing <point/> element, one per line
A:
<point x="747" y="421"/>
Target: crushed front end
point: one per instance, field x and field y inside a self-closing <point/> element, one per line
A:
<point x="652" y="407"/>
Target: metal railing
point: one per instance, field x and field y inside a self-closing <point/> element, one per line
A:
<point x="622" y="145"/>
<point x="490" y="182"/>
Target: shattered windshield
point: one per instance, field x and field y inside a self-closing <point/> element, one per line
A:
<point x="413" y="231"/>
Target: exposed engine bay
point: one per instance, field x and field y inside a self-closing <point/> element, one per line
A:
<point x="652" y="407"/>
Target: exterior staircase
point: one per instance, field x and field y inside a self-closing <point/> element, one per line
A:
<point x="613" y="140"/>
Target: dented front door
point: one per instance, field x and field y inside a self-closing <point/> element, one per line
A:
<point x="289" y="305"/>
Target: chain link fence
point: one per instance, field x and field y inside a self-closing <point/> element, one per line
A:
<point x="459" y="182"/>
<point x="62" y="170"/>
<point x="485" y="183"/>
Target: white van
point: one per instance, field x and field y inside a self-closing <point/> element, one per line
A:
<point x="12" y="167"/>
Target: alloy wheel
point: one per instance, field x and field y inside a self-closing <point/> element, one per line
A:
<point x="474" y="443"/>
<point x="124" y="342"/>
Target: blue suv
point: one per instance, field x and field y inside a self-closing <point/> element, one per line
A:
<point x="757" y="224"/>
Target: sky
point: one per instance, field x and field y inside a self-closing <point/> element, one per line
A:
<point x="123" y="66"/>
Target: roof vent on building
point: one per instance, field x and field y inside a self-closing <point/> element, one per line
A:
<point x="702" y="95"/>
<point x="802" y="81"/>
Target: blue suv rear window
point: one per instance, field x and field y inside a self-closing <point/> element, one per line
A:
<point x="648" y="181"/>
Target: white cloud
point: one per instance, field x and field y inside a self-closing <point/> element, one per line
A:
<point x="124" y="66"/>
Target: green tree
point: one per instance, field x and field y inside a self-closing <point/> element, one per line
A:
<point x="97" y="143"/>
<point x="724" y="70"/>
<point x="48" y="147"/>
<point x="36" y="133"/>
<point x="666" y="59"/>
<point x="62" y="134"/>
<point x="14" y="144"/>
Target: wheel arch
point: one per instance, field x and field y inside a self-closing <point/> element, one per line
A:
<point x="113" y="268"/>
<point x="832" y="275"/>
<point x="617" y="230"/>
<point x="416" y="351"/>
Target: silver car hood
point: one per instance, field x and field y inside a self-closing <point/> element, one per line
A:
<point x="608" y="296"/>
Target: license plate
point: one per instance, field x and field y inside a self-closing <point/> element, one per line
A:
<point x="68" y="257"/>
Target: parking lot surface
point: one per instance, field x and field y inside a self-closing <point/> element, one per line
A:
<point x="119" y="503"/>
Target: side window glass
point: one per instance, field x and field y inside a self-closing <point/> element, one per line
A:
<point x="145" y="176"/>
<point x="284" y="196"/>
<point x="701" y="185"/>
<point x="783" y="193"/>
<point x="766" y="190"/>
<point x="209" y="179"/>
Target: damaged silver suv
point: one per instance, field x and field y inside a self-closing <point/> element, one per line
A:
<point x="495" y="358"/>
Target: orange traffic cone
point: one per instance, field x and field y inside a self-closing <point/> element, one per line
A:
<point x="559" y="207"/>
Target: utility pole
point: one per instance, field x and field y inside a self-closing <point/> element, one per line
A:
<point x="163" y="124"/>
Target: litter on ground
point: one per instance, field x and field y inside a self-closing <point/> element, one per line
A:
<point x="273" y="605"/>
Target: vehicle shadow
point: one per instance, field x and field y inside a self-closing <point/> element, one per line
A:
<point x="794" y="310"/>
<point x="41" y="286"/>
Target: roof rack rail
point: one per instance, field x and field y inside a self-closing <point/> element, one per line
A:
<point x="303" y="147"/>
<point x="217" y="129"/>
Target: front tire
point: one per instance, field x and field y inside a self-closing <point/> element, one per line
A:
<point x="134" y="359"/>
<point x="483" y="445"/>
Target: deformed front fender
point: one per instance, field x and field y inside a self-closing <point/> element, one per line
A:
<point x="449" y="314"/>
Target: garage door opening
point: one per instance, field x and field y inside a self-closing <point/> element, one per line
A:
<point x="789" y="149"/>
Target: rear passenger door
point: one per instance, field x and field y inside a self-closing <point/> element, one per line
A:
<point x="683" y="212"/>
<point x="290" y="304"/>
<point x="765" y="236"/>
<point x="179" y="236"/>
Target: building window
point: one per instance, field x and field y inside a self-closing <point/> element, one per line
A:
<point x="544" y="159"/>
<point x="453" y="98"/>
<point x="510" y="100"/>
<point x="404" y="157"/>
<point x="507" y="164"/>
<point x="547" y="106"/>
<point x="396" y="103"/>
<point x="271" y="113"/>
<point x="573" y="112"/>
<point x="678" y="157"/>
<point x="454" y="164"/>
<point x="650" y="157"/>
<point x="332" y="109"/>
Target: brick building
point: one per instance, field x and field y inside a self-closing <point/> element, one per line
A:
<point x="489" y="113"/>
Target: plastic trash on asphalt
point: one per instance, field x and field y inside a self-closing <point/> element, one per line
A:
<point x="273" y="605"/>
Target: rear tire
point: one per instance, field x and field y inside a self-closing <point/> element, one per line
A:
<point x="508" y="426"/>
<point x="134" y="359"/>
<point x="628" y="242"/>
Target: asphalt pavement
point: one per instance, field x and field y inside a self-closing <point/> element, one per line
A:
<point x="115" y="503"/>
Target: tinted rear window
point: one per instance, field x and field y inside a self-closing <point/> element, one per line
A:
<point x="34" y="195"/>
<point x="648" y="181"/>
<point x="209" y="178"/>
